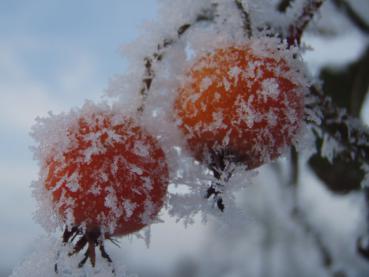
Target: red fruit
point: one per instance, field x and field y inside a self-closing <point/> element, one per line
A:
<point x="240" y="102"/>
<point x="111" y="178"/>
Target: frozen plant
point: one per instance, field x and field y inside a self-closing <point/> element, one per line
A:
<point x="216" y="92"/>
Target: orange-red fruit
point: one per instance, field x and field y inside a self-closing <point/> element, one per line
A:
<point x="112" y="176"/>
<point x="240" y="103"/>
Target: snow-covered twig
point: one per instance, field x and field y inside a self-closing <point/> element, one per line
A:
<point x="297" y="27"/>
<point x="283" y="5"/>
<point x="352" y="15"/>
<point x="246" y="18"/>
<point x="204" y="15"/>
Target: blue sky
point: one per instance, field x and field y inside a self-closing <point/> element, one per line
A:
<point x="53" y="55"/>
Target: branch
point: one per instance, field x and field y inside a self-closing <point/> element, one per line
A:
<point x="245" y="18"/>
<point x="352" y="15"/>
<point x="299" y="217"/>
<point x="294" y="164"/>
<point x="205" y="15"/>
<point x="361" y="247"/>
<point x="284" y="5"/>
<point x="297" y="28"/>
<point x="346" y="130"/>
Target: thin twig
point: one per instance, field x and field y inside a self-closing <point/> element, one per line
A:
<point x="297" y="28"/>
<point x="247" y="27"/>
<point x="284" y="5"/>
<point x="326" y="256"/>
<point x="362" y="249"/>
<point x="81" y="243"/>
<point x="205" y="15"/>
<point x="352" y="15"/>
<point x="294" y="167"/>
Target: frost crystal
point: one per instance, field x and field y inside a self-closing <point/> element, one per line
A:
<point x="129" y="208"/>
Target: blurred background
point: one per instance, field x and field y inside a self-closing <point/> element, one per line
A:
<point x="55" y="54"/>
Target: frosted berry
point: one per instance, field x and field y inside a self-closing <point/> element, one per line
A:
<point x="109" y="180"/>
<point x="240" y="103"/>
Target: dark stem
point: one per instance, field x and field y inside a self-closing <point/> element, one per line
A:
<point x="219" y="165"/>
<point x="245" y="18"/>
<point x="69" y="233"/>
<point x="363" y="249"/>
<point x="297" y="28"/>
<point x="84" y="260"/>
<point x="359" y="22"/>
<point x="299" y="217"/>
<point x="294" y="167"/>
<point x="81" y="243"/>
<point x="214" y="192"/>
<point x="103" y="252"/>
<point x="284" y="5"/>
<point x="360" y="85"/>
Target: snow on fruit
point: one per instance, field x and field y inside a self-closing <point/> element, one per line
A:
<point x="242" y="102"/>
<point x="105" y="174"/>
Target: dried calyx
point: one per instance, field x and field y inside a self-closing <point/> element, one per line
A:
<point x="90" y="238"/>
